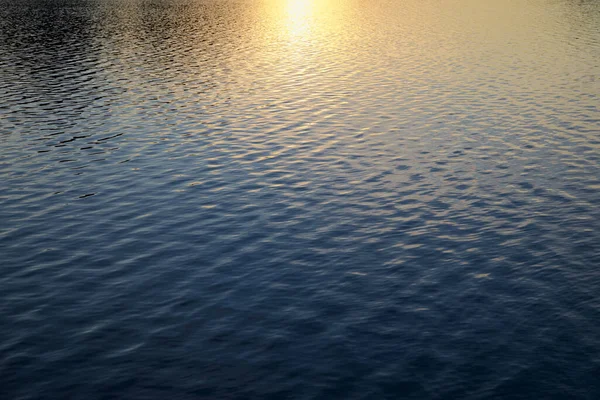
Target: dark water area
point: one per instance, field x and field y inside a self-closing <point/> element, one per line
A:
<point x="299" y="199"/>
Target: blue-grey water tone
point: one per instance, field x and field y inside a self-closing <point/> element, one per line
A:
<point x="299" y="199"/>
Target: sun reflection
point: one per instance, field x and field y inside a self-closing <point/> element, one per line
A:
<point x="305" y="25"/>
<point x="299" y="8"/>
<point x="299" y="13"/>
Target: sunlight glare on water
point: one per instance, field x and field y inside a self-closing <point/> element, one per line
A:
<point x="299" y="199"/>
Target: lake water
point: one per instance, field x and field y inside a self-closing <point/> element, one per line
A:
<point x="300" y="199"/>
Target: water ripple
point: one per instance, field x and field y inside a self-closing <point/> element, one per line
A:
<point x="299" y="199"/>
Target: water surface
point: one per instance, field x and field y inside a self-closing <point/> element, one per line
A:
<point x="299" y="199"/>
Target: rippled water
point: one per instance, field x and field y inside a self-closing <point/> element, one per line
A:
<point x="300" y="199"/>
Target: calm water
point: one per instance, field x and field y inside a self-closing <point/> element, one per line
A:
<point x="300" y="199"/>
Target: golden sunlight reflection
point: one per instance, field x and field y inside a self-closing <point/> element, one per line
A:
<point x="307" y="21"/>
<point x="298" y="16"/>
<point x="299" y="8"/>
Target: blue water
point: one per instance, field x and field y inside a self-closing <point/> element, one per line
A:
<point x="299" y="199"/>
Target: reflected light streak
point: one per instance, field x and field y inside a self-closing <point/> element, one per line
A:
<point x="299" y="13"/>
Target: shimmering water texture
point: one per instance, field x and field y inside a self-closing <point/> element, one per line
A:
<point x="299" y="199"/>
